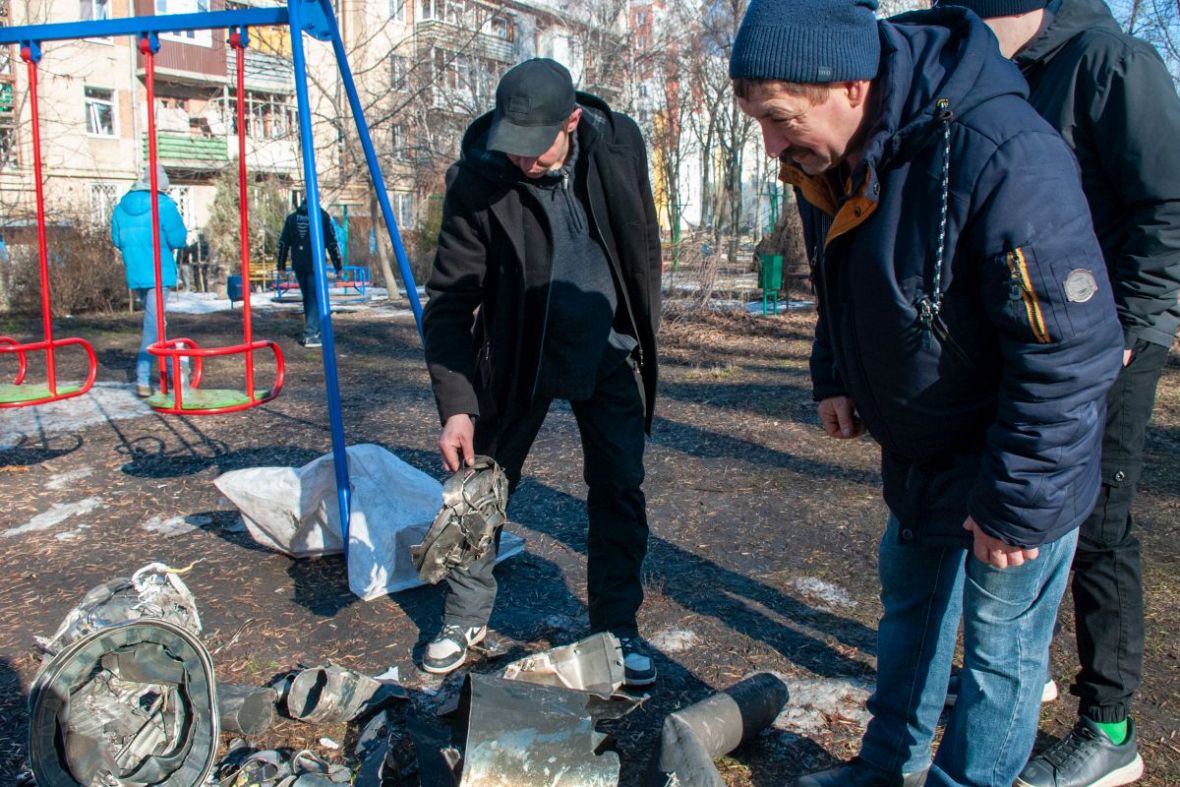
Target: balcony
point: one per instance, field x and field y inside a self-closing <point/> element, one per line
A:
<point x="190" y="152"/>
<point x="266" y="72"/>
<point x="445" y="34"/>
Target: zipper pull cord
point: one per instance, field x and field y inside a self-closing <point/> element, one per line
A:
<point x="930" y="305"/>
<point x="945" y="115"/>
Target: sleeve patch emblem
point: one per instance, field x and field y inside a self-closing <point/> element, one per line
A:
<point x="1080" y="285"/>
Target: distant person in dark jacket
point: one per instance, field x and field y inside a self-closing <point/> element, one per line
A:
<point x="546" y="286"/>
<point x="131" y="232"/>
<point x="1112" y="99"/>
<point x="295" y="241"/>
<point x="967" y="321"/>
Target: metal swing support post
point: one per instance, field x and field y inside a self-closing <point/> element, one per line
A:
<point x="316" y="18"/>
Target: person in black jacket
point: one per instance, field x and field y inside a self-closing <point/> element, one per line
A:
<point x="546" y="286"/>
<point x="296" y="241"/>
<point x="1112" y="99"/>
<point x="965" y="319"/>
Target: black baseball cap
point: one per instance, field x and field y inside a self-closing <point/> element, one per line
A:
<point x="533" y="101"/>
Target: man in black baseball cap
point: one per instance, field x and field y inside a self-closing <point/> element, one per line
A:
<point x="534" y="102"/>
<point x="549" y="255"/>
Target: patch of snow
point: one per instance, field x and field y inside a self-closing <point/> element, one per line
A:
<point x="391" y="675"/>
<point x="102" y="403"/>
<point x="64" y="480"/>
<point x="824" y="591"/>
<point x="57" y="513"/>
<point x="70" y="535"/>
<point x="674" y="640"/>
<point x="171" y="526"/>
<point x="816" y="700"/>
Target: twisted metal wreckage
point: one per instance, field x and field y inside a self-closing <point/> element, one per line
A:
<point x="127" y="696"/>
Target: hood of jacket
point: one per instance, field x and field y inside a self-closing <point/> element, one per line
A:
<point x="475" y="156"/>
<point x="1072" y="18"/>
<point x="137" y="202"/>
<point x="932" y="63"/>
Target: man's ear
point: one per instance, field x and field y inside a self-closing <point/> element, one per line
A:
<point x="855" y="93"/>
<point x="572" y="123"/>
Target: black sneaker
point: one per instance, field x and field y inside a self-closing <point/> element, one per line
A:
<point x="448" y="650"/>
<point x="855" y="773"/>
<point x="1085" y="758"/>
<point x="638" y="667"/>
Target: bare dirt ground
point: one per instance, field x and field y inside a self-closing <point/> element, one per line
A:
<point x="762" y="553"/>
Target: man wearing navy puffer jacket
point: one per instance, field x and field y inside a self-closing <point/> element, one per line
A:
<point x="966" y="319"/>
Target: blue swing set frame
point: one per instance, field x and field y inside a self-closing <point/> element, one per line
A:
<point x="315" y="18"/>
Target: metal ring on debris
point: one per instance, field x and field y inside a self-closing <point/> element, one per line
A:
<point x="132" y="704"/>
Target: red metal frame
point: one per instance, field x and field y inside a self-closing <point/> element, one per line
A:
<point x="173" y="350"/>
<point x="49" y="345"/>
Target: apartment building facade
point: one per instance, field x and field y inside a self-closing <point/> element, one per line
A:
<point x="424" y="69"/>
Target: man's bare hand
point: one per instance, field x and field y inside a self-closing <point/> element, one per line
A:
<point x="456" y="442"/>
<point x="837" y="415"/>
<point x="995" y="552"/>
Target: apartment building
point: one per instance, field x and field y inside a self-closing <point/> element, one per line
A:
<point x="424" y="69"/>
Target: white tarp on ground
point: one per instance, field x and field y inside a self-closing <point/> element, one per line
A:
<point x="294" y="511"/>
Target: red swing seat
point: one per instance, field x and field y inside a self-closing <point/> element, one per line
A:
<point x="189" y="398"/>
<point x="20" y="393"/>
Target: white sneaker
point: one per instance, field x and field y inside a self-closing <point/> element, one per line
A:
<point x="448" y="650"/>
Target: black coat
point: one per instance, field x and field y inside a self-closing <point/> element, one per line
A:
<point x="1111" y="97"/>
<point x="295" y="240"/>
<point x="491" y="275"/>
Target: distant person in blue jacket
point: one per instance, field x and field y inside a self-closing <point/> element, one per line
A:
<point x="131" y="232"/>
<point x="295" y="241"/>
<point x="967" y="321"/>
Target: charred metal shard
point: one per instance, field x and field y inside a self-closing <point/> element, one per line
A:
<point x="695" y="736"/>
<point x="593" y="664"/>
<point x="528" y="735"/>
<point x="332" y="694"/>
<point x="154" y="591"/>
<point x="249" y="710"/>
<point x="132" y="704"/>
<point x="475" y="501"/>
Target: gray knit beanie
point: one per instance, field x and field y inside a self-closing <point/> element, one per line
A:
<point x="820" y="41"/>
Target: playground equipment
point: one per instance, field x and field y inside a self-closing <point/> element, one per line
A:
<point x="21" y="393"/>
<point x="170" y="352"/>
<point x="316" y="18"/>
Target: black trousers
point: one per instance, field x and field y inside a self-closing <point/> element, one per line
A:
<point x="611" y="426"/>
<point x="311" y="311"/>
<point x="1108" y="576"/>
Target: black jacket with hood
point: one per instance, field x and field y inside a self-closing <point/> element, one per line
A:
<point x="963" y="301"/>
<point x="1111" y="97"/>
<point x="295" y="240"/>
<point x="489" y="287"/>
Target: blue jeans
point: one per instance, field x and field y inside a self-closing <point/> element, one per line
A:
<point x="145" y="363"/>
<point x="1007" y="618"/>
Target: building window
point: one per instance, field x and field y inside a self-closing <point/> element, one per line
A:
<point x="8" y="148"/>
<point x="198" y="37"/>
<point x="95" y="9"/>
<point x="268" y="115"/>
<point x="403" y="209"/>
<point x="100" y="112"/>
<point x="103" y="198"/>
<point x="397" y="10"/>
<point x="399" y="71"/>
<point x="399" y="142"/>
<point x="501" y="27"/>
